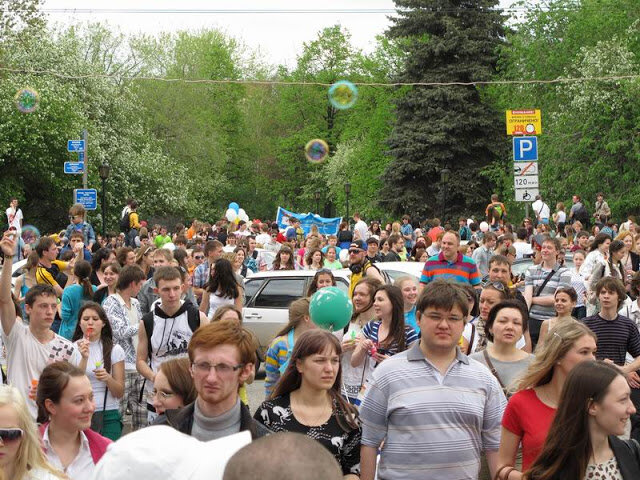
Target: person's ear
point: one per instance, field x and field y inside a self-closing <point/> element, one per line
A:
<point x="246" y="371"/>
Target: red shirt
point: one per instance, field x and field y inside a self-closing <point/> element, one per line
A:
<point x="530" y="419"/>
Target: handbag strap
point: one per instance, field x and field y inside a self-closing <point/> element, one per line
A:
<point x="473" y="336"/>
<point x="544" y="284"/>
<point x="492" y="368"/>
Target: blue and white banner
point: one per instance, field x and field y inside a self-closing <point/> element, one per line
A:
<point x="326" y="226"/>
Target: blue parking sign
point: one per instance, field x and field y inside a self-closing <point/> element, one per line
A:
<point x="525" y="149"/>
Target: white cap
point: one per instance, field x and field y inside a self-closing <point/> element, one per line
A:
<point x="161" y="452"/>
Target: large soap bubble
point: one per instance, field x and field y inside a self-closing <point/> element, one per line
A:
<point x="316" y="150"/>
<point x="343" y="94"/>
<point x="27" y="100"/>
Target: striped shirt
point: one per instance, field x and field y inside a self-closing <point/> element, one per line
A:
<point x="463" y="270"/>
<point x="277" y="355"/>
<point x="535" y="277"/>
<point x="615" y="338"/>
<point x="371" y="331"/>
<point x="433" y="425"/>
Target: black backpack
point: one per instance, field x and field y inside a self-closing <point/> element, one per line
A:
<point x="193" y="318"/>
<point x="125" y="222"/>
<point x="582" y="215"/>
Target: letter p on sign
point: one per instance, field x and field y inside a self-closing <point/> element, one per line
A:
<point x="525" y="149"/>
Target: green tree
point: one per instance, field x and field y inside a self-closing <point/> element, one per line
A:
<point x="443" y="126"/>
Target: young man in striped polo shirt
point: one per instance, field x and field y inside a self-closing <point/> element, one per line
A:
<point x="617" y="336"/>
<point x="435" y="409"/>
<point x="450" y="264"/>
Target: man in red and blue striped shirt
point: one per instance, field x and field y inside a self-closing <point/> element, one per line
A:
<point x="449" y="264"/>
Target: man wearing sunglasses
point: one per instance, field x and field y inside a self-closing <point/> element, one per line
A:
<point x="222" y="356"/>
<point x="360" y="266"/>
<point x="29" y="348"/>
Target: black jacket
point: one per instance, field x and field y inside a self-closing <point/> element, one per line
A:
<point x="628" y="457"/>
<point x="182" y="420"/>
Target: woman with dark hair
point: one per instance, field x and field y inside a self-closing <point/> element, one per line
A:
<point x="239" y="265"/>
<point x="221" y="289"/>
<point x="110" y="274"/>
<point x="284" y="260"/>
<point x="531" y="409"/>
<point x="322" y="278"/>
<point x="564" y="301"/>
<point x="126" y="256"/>
<point x="353" y="378"/>
<point x="492" y="294"/>
<point x="506" y="324"/>
<point x="103" y="363"/>
<point x="594" y="408"/>
<point x="345" y="236"/>
<point x="307" y="400"/>
<point x="74" y="296"/>
<point x="100" y="258"/>
<point x="65" y="407"/>
<point x="173" y="385"/>
<point x="314" y="259"/>
<point x="613" y="266"/>
<point x="387" y="334"/>
<point x="598" y="253"/>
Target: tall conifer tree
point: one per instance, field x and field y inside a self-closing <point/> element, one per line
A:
<point x="444" y="126"/>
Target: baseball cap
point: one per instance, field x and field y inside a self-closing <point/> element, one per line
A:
<point x="359" y="244"/>
<point x="164" y="452"/>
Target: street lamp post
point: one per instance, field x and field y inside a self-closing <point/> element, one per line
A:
<point x="317" y="195"/>
<point x="347" y="191"/>
<point x="104" y="170"/>
<point x="444" y="180"/>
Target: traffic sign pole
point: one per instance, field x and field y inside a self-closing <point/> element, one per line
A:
<point x="85" y="178"/>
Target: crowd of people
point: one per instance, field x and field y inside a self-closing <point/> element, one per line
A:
<point x="467" y="372"/>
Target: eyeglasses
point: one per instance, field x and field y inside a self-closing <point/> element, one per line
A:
<point x="436" y="317"/>
<point x="10" y="434"/>
<point x="222" y="369"/>
<point x="161" y="394"/>
<point x="199" y="257"/>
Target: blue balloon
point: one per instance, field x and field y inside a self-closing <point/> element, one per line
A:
<point x="234" y="206"/>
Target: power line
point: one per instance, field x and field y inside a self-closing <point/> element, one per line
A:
<point x="319" y="84"/>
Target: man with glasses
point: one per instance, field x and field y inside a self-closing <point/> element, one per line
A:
<point x="222" y="356"/>
<point x="360" y="266"/>
<point x="541" y="283"/>
<point x="434" y="408"/>
<point x="165" y="331"/>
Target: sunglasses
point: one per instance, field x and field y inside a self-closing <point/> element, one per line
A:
<point x="497" y="285"/>
<point x="10" y="434"/>
<point x="199" y="257"/>
<point x="355" y="252"/>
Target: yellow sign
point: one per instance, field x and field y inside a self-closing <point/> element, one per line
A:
<point x="524" y="122"/>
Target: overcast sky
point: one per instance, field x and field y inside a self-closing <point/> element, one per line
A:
<point x="279" y="36"/>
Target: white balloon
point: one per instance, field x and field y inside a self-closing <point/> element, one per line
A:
<point x="241" y="212"/>
<point x="484" y="227"/>
<point x="243" y="216"/>
<point x="169" y="246"/>
<point x="230" y="214"/>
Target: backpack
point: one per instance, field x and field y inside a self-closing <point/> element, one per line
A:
<point x="193" y="319"/>
<point x="125" y="222"/>
<point x="582" y="215"/>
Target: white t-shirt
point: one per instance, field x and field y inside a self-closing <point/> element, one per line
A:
<point x="14" y="218"/>
<point x="354" y="377"/>
<point x="361" y="228"/>
<point x="522" y="249"/>
<point x="541" y="208"/>
<point x="263" y="239"/>
<point x="561" y="216"/>
<point x="96" y="355"/>
<point x="27" y="357"/>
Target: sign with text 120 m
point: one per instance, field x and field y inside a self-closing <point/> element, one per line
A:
<point x="87" y="197"/>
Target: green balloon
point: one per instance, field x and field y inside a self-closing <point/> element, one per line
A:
<point x="330" y="309"/>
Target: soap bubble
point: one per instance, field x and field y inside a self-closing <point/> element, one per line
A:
<point x="27" y="100"/>
<point x="343" y="94"/>
<point x="316" y="150"/>
<point x="30" y="235"/>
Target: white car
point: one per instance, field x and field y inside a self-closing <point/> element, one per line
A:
<point x="16" y="271"/>
<point x="269" y="294"/>
<point x="395" y="270"/>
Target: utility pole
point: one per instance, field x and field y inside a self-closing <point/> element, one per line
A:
<point x="85" y="137"/>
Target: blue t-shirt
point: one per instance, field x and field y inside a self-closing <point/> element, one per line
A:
<point x="410" y="319"/>
<point x="338" y="250"/>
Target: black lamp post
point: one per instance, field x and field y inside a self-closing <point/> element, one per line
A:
<point x="104" y="170"/>
<point x="317" y="195"/>
<point x="347" y="191"/>
<point x="444" y="180"/>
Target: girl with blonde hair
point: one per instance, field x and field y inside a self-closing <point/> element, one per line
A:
<point x="531" y="409"/>
<point x="22" y="456"/>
